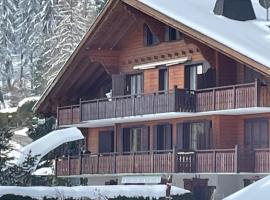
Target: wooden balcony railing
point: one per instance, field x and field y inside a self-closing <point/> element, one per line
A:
<point x="130" y="105"/>
<point x="228" y="97"/>
<point x="169" y="161"/>
<point x="177" y="100"/>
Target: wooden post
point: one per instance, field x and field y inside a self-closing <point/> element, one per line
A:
<point x="56" y="163"/>
<point x="215" y="160"/>
<point x="71" y="108"/>
<point x="80" y="110"/>
<point x="133" y="105"/>
<point x="257" y="93"/>
<point x="176" y="99"/>
<point x="97" y="109"/>
<point x="152" y="162"/>
<point x="214" y="99"/>
<point x="153" y="103"/>
<point x="98" y="164"/>
<point x="115" y="107"/>
<point x="80" y="163"/>
<point x="57" y="113"/>
<point x="234" y="96"/>
<point x="114" y="159"/>
<point x="174" y="160"/>
<point x="236" y="158"/>
<point x="68" y="165"/>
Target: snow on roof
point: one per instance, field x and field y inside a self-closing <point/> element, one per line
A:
<point x="45" y="171"/>
<point x="22" y="131"/>
<point x="49" y="142"/>
<point x="251" y="38"/>
<point x="258" y="190"/>
<point x="9" y="110"/>
<point x="28" y="99"/>
<point x="93" y="192"/>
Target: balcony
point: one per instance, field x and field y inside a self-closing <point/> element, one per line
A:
<point x="124" y="106"/>
<point x="177" y="100"/>
<point x="171" y="161"/>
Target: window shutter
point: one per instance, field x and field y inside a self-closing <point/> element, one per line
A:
<point x="179" y="35"/>
<point x="168" y="136"/>
<point x="145" y="139"/>
<point x="154" y="138"/>
<point x="118" y="84"/>
<point x="179" y="136"/>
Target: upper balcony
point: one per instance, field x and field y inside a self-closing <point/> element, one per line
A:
<point x="176" y="100"/>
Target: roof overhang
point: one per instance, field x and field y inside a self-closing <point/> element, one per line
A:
<point x="162" y="63"/>
<point x="139" y="5"/>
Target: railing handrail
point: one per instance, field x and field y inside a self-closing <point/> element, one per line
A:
<point x="227" y="87"/>
<point x="68" y="107"/>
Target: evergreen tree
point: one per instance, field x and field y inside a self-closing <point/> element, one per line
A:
<point x="99" y="5"/>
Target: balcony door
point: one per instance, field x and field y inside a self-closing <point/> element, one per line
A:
<point x="127" y="84"/>
<point x="199" y="76"/>
<point x="256" y="133"/>
<point x="194" y="135"/>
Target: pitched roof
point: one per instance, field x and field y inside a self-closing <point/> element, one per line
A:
<point x="247" y="42"/>
<point x="250" y="38"/>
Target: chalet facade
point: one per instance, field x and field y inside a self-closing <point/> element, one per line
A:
<point x="154" y="96"/>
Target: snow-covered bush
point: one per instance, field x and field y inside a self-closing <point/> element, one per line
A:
<point x="181" y="197"/>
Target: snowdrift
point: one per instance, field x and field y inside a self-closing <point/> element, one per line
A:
<point x="258" y="190"/>
<point x="93" y="192"/>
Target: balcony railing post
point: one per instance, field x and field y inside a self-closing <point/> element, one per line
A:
<point x="98" y="156"/>
<point x="152" y="162"/>
<point x="56" y="166"/>
<point x="80" y="110"/>
<point x="115" y="107"/>
<point x="58" y="116"/>
<point x="71" y="109"/>
<point x="115" y="163"/>
<point x="68" y="165"/>
<point x="174" y="160"/>
<point x="234" y="96"/>
<point x="215" y="160"/>
<point x="214" y="99"/>
<point x="236" y="158"/>
<point x="97" y="109"/>
<point x="176" y="99"/>
<point x="133" y="105"/>
<point x="257" y="93"/>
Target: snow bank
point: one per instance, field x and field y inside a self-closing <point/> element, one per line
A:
<point x="28" y="99"/>
<point x="259" y="190"/>
<point x="93" y="192"/>
<point x="48" y="143"/>
<point x="9" y="110"/>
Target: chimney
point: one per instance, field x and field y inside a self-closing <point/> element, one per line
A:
<point x="241" y="10"/>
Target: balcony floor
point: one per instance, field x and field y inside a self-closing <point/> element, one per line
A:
<point x="170" y="115"/>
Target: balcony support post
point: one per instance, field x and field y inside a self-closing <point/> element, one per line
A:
<point x="68" y="165"/>
<point x="58" y="116"/>
<point x="236" y="158"/>
<point x="214" y="99"/>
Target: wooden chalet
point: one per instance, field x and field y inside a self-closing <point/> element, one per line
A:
<point x="154" y="95"/>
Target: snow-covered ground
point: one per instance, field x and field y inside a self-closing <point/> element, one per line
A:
<point x="9" y="110"/>
<point x="259" y="190"/>
<point x="93" y="192"/>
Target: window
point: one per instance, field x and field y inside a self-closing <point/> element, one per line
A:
<point x="171" y="34"/>
<point x="149" y="37"/>
<point x="256" y="133"/>
<point x="164" y="137"/>
<point x="106" y="141"/>
<point x="133" y="84"/>
<point x="199" y="76"/>
<point x="163" y="79"/>
<point x="135" y="139"/>
<point x="194" y="135"/>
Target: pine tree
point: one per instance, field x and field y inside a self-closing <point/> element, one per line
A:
<point x="75" y="19"/>
<point x="99" y="5"/>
